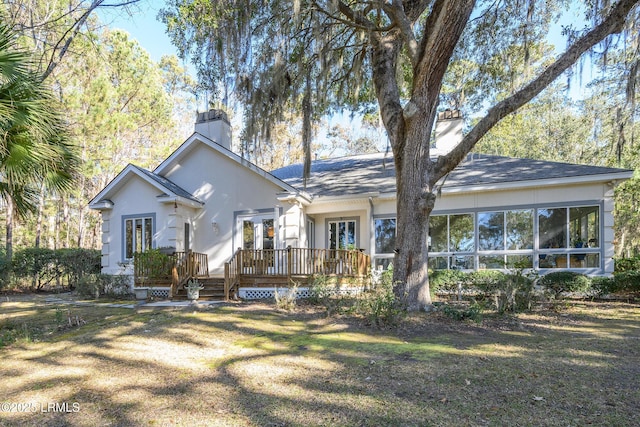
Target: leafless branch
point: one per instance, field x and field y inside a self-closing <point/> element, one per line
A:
<point x="612" y="24"/>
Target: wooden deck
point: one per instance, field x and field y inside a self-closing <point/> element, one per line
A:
<point x="284" y="267"/>
<point x="252" y="268"/>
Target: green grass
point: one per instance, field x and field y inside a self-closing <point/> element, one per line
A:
<point x="250" y="365"/>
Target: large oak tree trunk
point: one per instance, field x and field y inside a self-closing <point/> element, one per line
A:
<point x="409" y="130"/>
<point x="409" y="127"/>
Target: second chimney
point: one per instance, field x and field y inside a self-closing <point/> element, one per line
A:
<point x="448" y="131"/>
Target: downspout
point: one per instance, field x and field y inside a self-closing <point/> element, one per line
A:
<point x="372" y="231"/>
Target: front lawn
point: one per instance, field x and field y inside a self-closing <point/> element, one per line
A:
<point x="250" y="365"/>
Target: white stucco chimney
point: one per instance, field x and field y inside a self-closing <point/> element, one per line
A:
<point x="214" y="124"/>
<point x="448" y="131"/>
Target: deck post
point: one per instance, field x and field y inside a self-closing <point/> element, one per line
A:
<point x="226" y="281"/>
<point x="174" y="281"/>
<point x="289" y="266"/>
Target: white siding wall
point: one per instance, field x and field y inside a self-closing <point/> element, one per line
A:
<point x="137" y="197"/>
<point x="226" y="188"/>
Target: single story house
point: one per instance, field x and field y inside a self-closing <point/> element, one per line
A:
<point x="493" y="212"/>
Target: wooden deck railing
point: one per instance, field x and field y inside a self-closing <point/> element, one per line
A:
<point x="151" y="268"/>
<point x="231" y="277"/>
<point x="280" y="264"/>
<point x="295" y="262"/>
<point x="191" y="264"/>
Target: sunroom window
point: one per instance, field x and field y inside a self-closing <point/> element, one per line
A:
<point x="544" y="237"/>
<point x="385" y="241"/>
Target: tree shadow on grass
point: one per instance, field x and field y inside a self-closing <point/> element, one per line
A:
<point x="256" y="366"/>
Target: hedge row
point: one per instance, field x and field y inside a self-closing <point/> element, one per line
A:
<point x="38" y="268"/>
<point x="555" y="283"/>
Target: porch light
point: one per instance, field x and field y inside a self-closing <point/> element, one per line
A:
<point x="216" y="227"/>
<point x="270" y="232"/>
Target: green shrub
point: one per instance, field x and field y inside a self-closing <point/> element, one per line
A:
<point x="320" y="290"/>
<point x="626" y="282"/>
<point x="565" y="281"/>
<point x="446" y="280"/>
<point x="459" y="312"/>
<point x="627" y="264"/>
<point x="601" y="285"/>
<point x="38" y="267"/>
<point x="98" y="285"/>
<point x="42" y="267"/>
<point x="5" y="266"/>
<point x="152" y="264"/>
<point x="325" y="292"/>
<point x="76" y="263"/>
<point x="485" y="280"/>
<point x="380" y="305"/>
<point x="515" y="293"/>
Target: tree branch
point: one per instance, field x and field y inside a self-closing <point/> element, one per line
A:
<point x="384" y="59"/>
<point x="73" y="31"/>
<point x="612" y="24"/>
<point x="399" y="17"/>
<point x="443" y="29"/>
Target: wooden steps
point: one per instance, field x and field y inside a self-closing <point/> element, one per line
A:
<point x="213" y="289"/>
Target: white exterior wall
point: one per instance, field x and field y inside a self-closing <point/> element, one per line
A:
<point x="227" y="189"/>
<point x="344" y="209"/>
<point x="137" y="197"/>
<point x="230" y="189"/>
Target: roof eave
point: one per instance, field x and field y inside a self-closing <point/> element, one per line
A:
<point x="179" y="200"/>
<point x="612" y="178"/>
<point x="101" y="205"/>
<point x="303" y="198"/>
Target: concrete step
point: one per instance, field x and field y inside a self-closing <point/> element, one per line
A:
<point x="213" y="289"/>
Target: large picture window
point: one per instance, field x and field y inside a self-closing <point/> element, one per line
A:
<point x="544" y="238"/>
<point x="519" y="229"/>
<point x="505" y="230"/>
<point x="552" y="228"/>
<point x="491" y="231"/>
<point x="438" y="227"/>
<point x="385" y="235"/>
<point x="138" y="234"/>
<point x="385" y="241"/>
<point x="461" y="234"/>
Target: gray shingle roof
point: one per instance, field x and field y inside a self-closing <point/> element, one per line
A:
<point x="172" y="187"/>
<point x="371" y="173"/>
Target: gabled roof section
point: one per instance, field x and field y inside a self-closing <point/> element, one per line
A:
<point x="167" y="189"/>
<point x="375" y="173"/>
<point x="197" y="139"/>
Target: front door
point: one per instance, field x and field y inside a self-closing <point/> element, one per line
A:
<point x="257" y="232"/>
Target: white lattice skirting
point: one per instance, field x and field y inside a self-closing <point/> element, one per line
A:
<point x="269" y="293"/>
<point x="159" y="292"/>
<point x="266" y="293"/>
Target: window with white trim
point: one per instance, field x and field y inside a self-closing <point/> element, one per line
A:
<point x="385" y="241"/>
<point x="138" y="234"/>
<point x="342" y="234"/>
